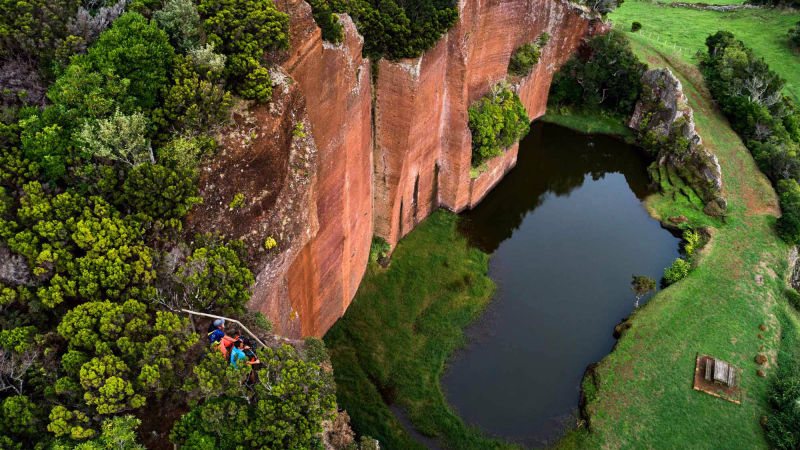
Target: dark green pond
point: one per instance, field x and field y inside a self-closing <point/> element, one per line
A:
<point x="566" y="230"/>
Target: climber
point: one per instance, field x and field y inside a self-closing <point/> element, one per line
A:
<point x="237" y="353"/>
<point x="226" y="343"/>
<point x="216" y="331"/>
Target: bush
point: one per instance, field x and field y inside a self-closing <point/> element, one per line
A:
<point x="496" y="122"/>
<point x="327" y="21"/>
<point x="316" y="351"/>
<point x="137" y="50"/>
<point x="636" y="26"/>
<point x="379" y="249"/>
<point x="523" y="59"/>
<point x="243" y="30"/>
<point x="793" y="297"/>
<point x="215" y="277"/>
<point x="794" y="36"/>
<point x="608" y="76"/>
<point x="289" y="419"/>
<point x="159" y="193"/>
<point x="750" y="95"/>
<point x="390" y="28"/>
<point x="121" y="138"/>
<point x="677" y="271"/>
<point x="195" y="102"/>
<point x="181" y="21"/>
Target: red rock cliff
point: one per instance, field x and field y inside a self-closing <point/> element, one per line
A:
<point x="384" y="155"/>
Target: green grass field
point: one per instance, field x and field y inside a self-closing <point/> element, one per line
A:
<point x="589" y="122"/>
<point x="643" y="396"/>
<point x="665" y="29"/>
<point x="404" y="322"/>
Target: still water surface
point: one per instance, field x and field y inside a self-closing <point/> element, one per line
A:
<point x="566" y="230"/>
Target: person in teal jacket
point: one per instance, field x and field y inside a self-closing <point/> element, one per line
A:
<point x="237" y="353"/>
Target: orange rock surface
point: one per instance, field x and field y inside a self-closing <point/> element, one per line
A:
<point x="389" y="151"/>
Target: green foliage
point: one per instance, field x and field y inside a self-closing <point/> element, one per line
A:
<point x="327" y="21"/>
<point x="636" y="26"/>
<point x="243" y="30"/>
<point x="270" y="243"/>
<point x="788" y="225"/>
<point x="215" y="277"/>
<point x="117" y="433"/>
<point x="794" y="36"/>
<point x="80" y="248"/>
<point x="609" y="77"/>
<point x="121" y="138"/>
<point x="34" y="27"/>
<point x="237" y="202"/>
<point x="196" y="102"/>
<point x="379" y="249"/>
<point x="783" y="423"/>
<point x="132" y="352"/>
<point x="793" y="297"/>
<point x="677" y="271"/>
<point x="523" y="59"/>
<point x="642" y="285"/>
<point x="137" y="50"/>
<point x="284" y="409"/>
<point x="750" y="95"/>
<point x="18" y="419"/>
<point x="496" y="122"/>
<point x="391" y="29"/>
<point x="186" y="153"/>
<point x="181" y="21"/>
<point x="299" y="130"/>
<point x="691" y="240"/>
<point x="71" y="424"/>
<point x="316" y="351"/>
<point x="161" y="194"/>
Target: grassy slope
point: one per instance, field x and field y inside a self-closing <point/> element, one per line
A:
<point x="765" y="31"/>
<point x="403" y="324"/>
<point x="644" y="396"/>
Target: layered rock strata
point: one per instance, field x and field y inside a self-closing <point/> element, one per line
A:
<point x="388" y="149"/>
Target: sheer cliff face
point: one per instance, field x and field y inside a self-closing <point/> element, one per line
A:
<point x="385" y="152"/>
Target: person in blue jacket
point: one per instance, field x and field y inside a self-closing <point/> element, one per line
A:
<point x="237" y="353"/>
<point x="216" y="333"/>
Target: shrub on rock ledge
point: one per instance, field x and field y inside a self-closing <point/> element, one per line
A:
<point x="496" y="122"/>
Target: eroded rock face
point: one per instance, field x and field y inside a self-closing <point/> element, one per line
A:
<point x="422" y="149"/>
<point x="377" y="158"/>
<point x="664" y="109"/>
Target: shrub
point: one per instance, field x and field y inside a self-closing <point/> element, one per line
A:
<point x="607" y="76"/>
<point x="677" y="271"/>
<point x="496" y="122"/>
<point x="195" y="102"/>
<point x="243" y="30"/>
<point x="186" y="153"/>
<point x="215" y="277"/>
<point x="390" y="28"/>
<point x="636" y="26"/>
<point x="181" y="21"/>
<point x="158" y="193"/>
<point x="523" y="59"/>
<point x="379" y="249"/>
<point x="750" y="95"/>
<point x="316" y="351"/>
<point x="793" y="297"/>
<point x="121" y="138"/>
<point x="237" y="202"/>
<point x="264" y="419"/>
<point x="327" y="21"/>
<point x="137" y="50"/>
<point x="794" y="36"/>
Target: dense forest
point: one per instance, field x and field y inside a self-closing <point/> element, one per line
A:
<point x="108" y="115"/>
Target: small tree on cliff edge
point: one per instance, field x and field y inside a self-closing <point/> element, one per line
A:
<point x="642" y="285"/>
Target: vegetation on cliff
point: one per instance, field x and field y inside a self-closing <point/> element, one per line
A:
<point x="496" y="121"/>
<point x="106" y="123"/>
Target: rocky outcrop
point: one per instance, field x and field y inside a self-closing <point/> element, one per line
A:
<point x="665" y="120"/>
<point x="381" y="153"/>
